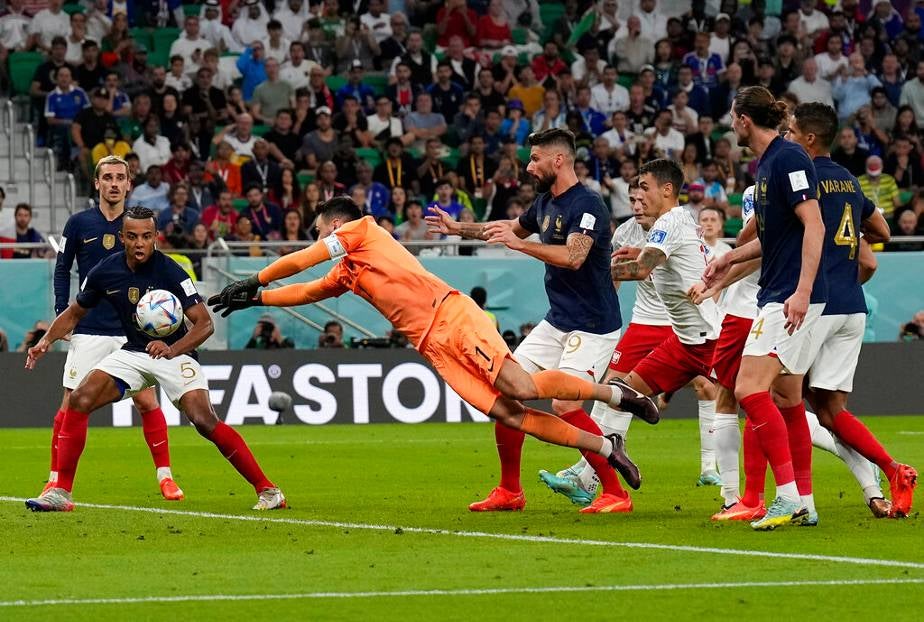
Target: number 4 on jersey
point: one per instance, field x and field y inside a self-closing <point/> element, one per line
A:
<point x="847" y="232"/>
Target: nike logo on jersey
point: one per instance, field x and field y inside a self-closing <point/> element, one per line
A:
<point x="110" y="292"/>
<point x="88" y="240"/>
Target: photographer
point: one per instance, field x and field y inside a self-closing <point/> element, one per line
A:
<point x="266" y="336"/>
<point x="914" y="329"/>
<point x="32" y="337"/>
<point x="332" y="337"/>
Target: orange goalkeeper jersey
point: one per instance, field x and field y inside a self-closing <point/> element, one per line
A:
<point x="379" y="269"/>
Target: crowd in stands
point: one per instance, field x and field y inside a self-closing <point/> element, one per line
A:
<point x="252" y="112"/>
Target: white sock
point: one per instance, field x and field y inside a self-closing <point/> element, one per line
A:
<point x="611" y="420"/>
<point x="616" y="397"/>
<point x="706" y="435"/>
<point x="727" y="443"/>
<point x="607" y="448"/>
<point x="808" y="501"/>
<point x="52" y="476"/>
<point x="863" y="470"/>
<point x="164" y="473"/>
<point x="789" y="492"/>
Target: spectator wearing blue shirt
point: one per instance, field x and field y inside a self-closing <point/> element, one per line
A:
<point x="515" y="125"/>
<point x="179" y="220"/>
<point x="61" y="106"/>
<point x="892" y="78"/>
<point x="120" y="104"/>
<point x="706" y="66"/>
<point x="697" y="94"/>
<point x="594" y="120"/>
<point x="378" y="197"/>
<point x="444" y="199"/>
<point x="152" y="194"/>
<point x="252" y="65"/>
<point x="885" y="17"/>
<point x="852" y="86"/>
<point x="362" y="93"/>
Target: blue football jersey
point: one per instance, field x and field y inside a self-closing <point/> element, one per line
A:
<point x="785" y="178"/>
<point x="582" y="299"/>
<point x="844" y="207"/>
<point x="113" y="281"/>
<point x="88" y="238"/>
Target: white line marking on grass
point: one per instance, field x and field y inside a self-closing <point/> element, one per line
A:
<point x="911" y="432"/>
<point x="262" y="518"/>
<point x="453" y="592"/>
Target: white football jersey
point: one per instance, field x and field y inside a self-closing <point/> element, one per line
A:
<point x="648" y="308"/>
<point x="677" y="236"/>
<point x="740" y="299"/>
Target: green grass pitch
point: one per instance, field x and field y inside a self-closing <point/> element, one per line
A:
<point x="348" y="548"/>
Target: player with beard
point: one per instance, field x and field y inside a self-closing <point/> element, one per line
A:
<point x="581" y="329"/>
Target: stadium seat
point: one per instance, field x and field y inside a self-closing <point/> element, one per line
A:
<point x="163" y="38"/>
<point x="550" y="13"/>
<point x="520" y="36"/>
<point x="260" y="129"/>
<point x="523" y="154"/>
<point x="626" y="79"/>
<point x="191" y="9"/>
<point x="452" y="158"/>
<point x="371" y="155"/>
<point x="142" y="35"/>
<point x="733" y="226"/>
<point x="22" y="68"/>
<point x="335" y="82"/>
<point x="378" y="82"/>
<point x="905" y="196"/>
<point x="735" y="198"/>
<point x="304" y="179"/>
<point x="70" y="9"/>
<point x="239" y="204"/>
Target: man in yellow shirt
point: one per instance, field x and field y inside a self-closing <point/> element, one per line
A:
<point x="528" y="91"/>
<point x="112" y="145"/>
<point x="879" y="188"/>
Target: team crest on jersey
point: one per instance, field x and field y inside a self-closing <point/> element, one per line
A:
<point x="558" y="224"/>
<point x="133" y="295"/>
<point x="109" y="241"/>
<point x="545" y="222"/>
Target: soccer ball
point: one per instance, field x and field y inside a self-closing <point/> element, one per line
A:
<point x="158" y="313"/>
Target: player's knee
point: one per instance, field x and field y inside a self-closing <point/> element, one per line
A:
<point x="80" y="400"/>
<point x="203" y="420"/>
<point x="521" y="389"/>
<point x="146" y="401"/>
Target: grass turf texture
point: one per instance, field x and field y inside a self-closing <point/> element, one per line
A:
<point x="424" y="476"/>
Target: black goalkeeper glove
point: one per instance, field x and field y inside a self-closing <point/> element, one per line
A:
<point x="236" y="296"/>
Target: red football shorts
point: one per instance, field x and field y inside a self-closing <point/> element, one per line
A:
<point x="673" y="364"/>
<point x="636" y="343"/>
<point x="727" y="358"/>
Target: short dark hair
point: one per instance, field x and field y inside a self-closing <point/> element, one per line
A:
<point x="137" y="212"/>
<point x="665" y="172"/>
<point x="24" y="206"/>
<point x="759" y="103"/>
<point x="342" y="207"/>
<point x="819" y="119"/>
<point x="479" y="295"/>
<point x="252" y="186"/>
<point x="553" y="136"/>
<point x="716" y="209"/>
<point x="633" y="183"/>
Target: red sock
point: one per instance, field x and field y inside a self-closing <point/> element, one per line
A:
<point x="55" y="430"/>
<point x="581" y="420"/>
<point x="800" y="446"/>
<point x="155" y="434"/>
<point x="509" y="447"/>
<point x="72" y="438"/>
<point x="771" y="433"/>
<point x="236" y="451"/>
<point x="755" y="468"/>
<point x="856" y="435"/>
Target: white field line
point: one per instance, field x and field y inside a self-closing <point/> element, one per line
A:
<point x="453" y="592"/>
<point x="262" y="518"/>
<point x="911" y="432"/>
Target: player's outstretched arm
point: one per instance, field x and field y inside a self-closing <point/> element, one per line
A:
<point x="61" y="326"/>
<point x="200" y="329"/>
<point x="440" y="222"/>
<point x="638" y="269"/>
<point x="303" y="259"/>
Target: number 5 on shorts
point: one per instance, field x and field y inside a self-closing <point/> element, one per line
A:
<point x="187" y="370"/>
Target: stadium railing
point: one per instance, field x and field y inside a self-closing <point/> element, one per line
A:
<point x="9" y="130"/>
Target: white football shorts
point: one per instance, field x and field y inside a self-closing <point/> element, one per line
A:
<point x="576" y="352"/>
<point x="836" y="343"/>
<point x="84" y="352"/>
<point x="138" y="370"/>
<point x="769" y="337"/>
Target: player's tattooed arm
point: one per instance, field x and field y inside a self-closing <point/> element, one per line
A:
<point x="638" y="269"/>
<point x="472" y="231"/>
<point x="579" y="245"/>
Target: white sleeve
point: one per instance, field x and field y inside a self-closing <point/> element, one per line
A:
<point x="664" y="236"/>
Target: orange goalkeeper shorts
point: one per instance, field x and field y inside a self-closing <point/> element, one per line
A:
<point x="464" y="347"/>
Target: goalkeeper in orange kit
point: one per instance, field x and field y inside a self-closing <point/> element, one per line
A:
<point x="445" y="326"/>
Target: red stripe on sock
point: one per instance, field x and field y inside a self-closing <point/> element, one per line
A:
<point x="509" y="449"/>
<point x="72" y="438"/>
<point x="236" y="451"/>
<point x="55" y="430"/>
<point x="608" y="479"/>
<point x="854" y="433"/>
<point x="154" y="426"/>
<point x="800" y="446"/>
<point x="755" y="467"/>
<point x="771" y="433"/>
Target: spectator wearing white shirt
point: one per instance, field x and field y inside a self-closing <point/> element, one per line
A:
<point x="552" y="114"/>
<point x="653" y="22"/>
<point x="686" y="120"/>
<point x="632" y="49"/>
<point x="809" y="87"/>
<point x="913" y="95"/>
<point x="377" y="20"/>
<point x="608" y="97"/>
<point x="14" y="29"/>
<point x="212" y="28"/>
<point x="382" y="125"/>
<point x="48" y="24"/>
<point x="276" y="45"/>
<point x="98" y="22"/>
<point x="720" y="42"/>
<point x="250" y="25"/>
<point x="832" y="59"/>
<point x="292" y="14"/>
<point x="151" y="147"/>
<point x="239" y="135"/>
<point x="190" y="44"/>
<point x="297" y="71"/>
<point x="620" y="138"/>
<point x="588" y="67"/>
<point x="666" y="138"/>
<point x="177" y="77"/>
<point x="811" y="19"/>
<point x="76" y="38"/>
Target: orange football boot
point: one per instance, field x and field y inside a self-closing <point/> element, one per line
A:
<point x="902" y="484"/>
<point x="607" y="503"/>
<point x="739" y="511"/>
<point x="171" y="490"/>
<point x="500" y="500"/>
